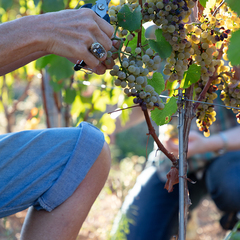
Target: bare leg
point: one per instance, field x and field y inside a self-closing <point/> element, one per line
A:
<point x="64" y="222"/>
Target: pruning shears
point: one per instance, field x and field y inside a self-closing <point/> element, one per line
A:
<point x="100" y="8"/>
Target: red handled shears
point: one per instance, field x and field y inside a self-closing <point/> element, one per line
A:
<point x="100" y="8"/>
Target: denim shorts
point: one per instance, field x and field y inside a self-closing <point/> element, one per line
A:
<point x="42" y="168"/>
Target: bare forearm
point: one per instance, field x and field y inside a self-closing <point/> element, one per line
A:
<point x="19" y="42"/>
<point x="21" y="62"/>
<point x="230" y="140"/>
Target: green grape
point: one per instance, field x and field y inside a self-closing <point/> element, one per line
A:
<point x="131" y="78"/>
<point x="149" y="88"/>
<point x="131" y="84"/>
<point x="115" y="67"/>
<point x="142" y="95"/>
<point x="145" y="58"/>
<point x="125" y="64"/>
<point x="126" y="91"/>
<point x="128" y="49"/>
<point x="138" y="50"/>
<point x="108" y="61"/>
<point x="117" y="82"/>
<point x="140" y="80"/>
<point x="149" y="52"/>
<point x="121" y="75"/>
<point x="157" y="59"/>
<point x="130" y="37"/>
<point x="131" y="69"/>
<point x="123" y="84"/>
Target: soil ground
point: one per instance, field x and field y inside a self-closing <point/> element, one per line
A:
<point x="203" y="225"/>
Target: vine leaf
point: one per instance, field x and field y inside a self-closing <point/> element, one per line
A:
<point x="192" y="75"/>
<point x="57" y="67"/>
<point x="161" y="46"/>
<point x="36" y="2"/>
<point x="53" y="5"/>
<point x="172" y="179"/>
<point x="234" y="5"/>
<point x="6" y="4"/>
<point x="157" y="82"/>
<point x="233" y="49"/>
<point x="128" y="20"/>
<point x="56" y="85"/>
<point x="203" y="2"/>
<point x="70" y="94"/>
<point x="161" y="117"/>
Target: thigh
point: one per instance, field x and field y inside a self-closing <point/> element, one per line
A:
<point x="223" y="179"/>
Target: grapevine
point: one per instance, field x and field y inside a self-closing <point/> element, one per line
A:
<point x="192" y="41"/>
<point x="202" y="42"/>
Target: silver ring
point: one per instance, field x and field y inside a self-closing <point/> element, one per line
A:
<point x="98" y="50"/>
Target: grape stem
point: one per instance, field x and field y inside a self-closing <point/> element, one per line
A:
<point x="121" y="109"/>
<point x="152" y="132"/>
<point x="139" y="39"/>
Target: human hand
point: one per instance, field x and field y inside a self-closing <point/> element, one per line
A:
<point x="70" y="33"/>
<point x="103" y="66"/>
<point x="196" y="144"/>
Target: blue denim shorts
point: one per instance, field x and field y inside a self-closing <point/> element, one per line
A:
<point x="42" y="168"/>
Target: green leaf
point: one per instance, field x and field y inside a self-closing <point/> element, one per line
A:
<point x="60" y="68"/>
<point x="53" y="5"/>
<point x="36" y="2"/>
<point x="56" y="85"/>
<point x="43" y="61"/>
<point x="161" y="46"/>
<point x="192" y="75"/>
<point x="129" y="20"/>
<point x="172" y="87"/>
<point x="161" y="117"/>
<point x="157" y="82"/>
<point x="203" y="2"/>
<point x="233" y="49"/>
<point x="70" y="95"/>
<point x="234" y="5"/>
<point x="6" y="4"/>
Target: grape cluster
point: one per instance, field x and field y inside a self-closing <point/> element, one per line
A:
<point x="170" y="14"/>
<point x="167" y="13"/>
<point x="230" y="92"/>
<point x="113" y="10"/>
<point x="132" y="77"/>
<point x="203" y="38"/>
<point x="205" y="113"/>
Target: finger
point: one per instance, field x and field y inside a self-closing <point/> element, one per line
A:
<point x="90" y="60"/>
<point x="106" y="27"/>
<point x="109" y="63"/>
<point x="100" y="69"/>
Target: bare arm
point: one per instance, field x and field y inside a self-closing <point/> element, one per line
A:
<point x="67" y="33"/>
<point x="200" y="144"/>
<point x="15" y="64"/>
